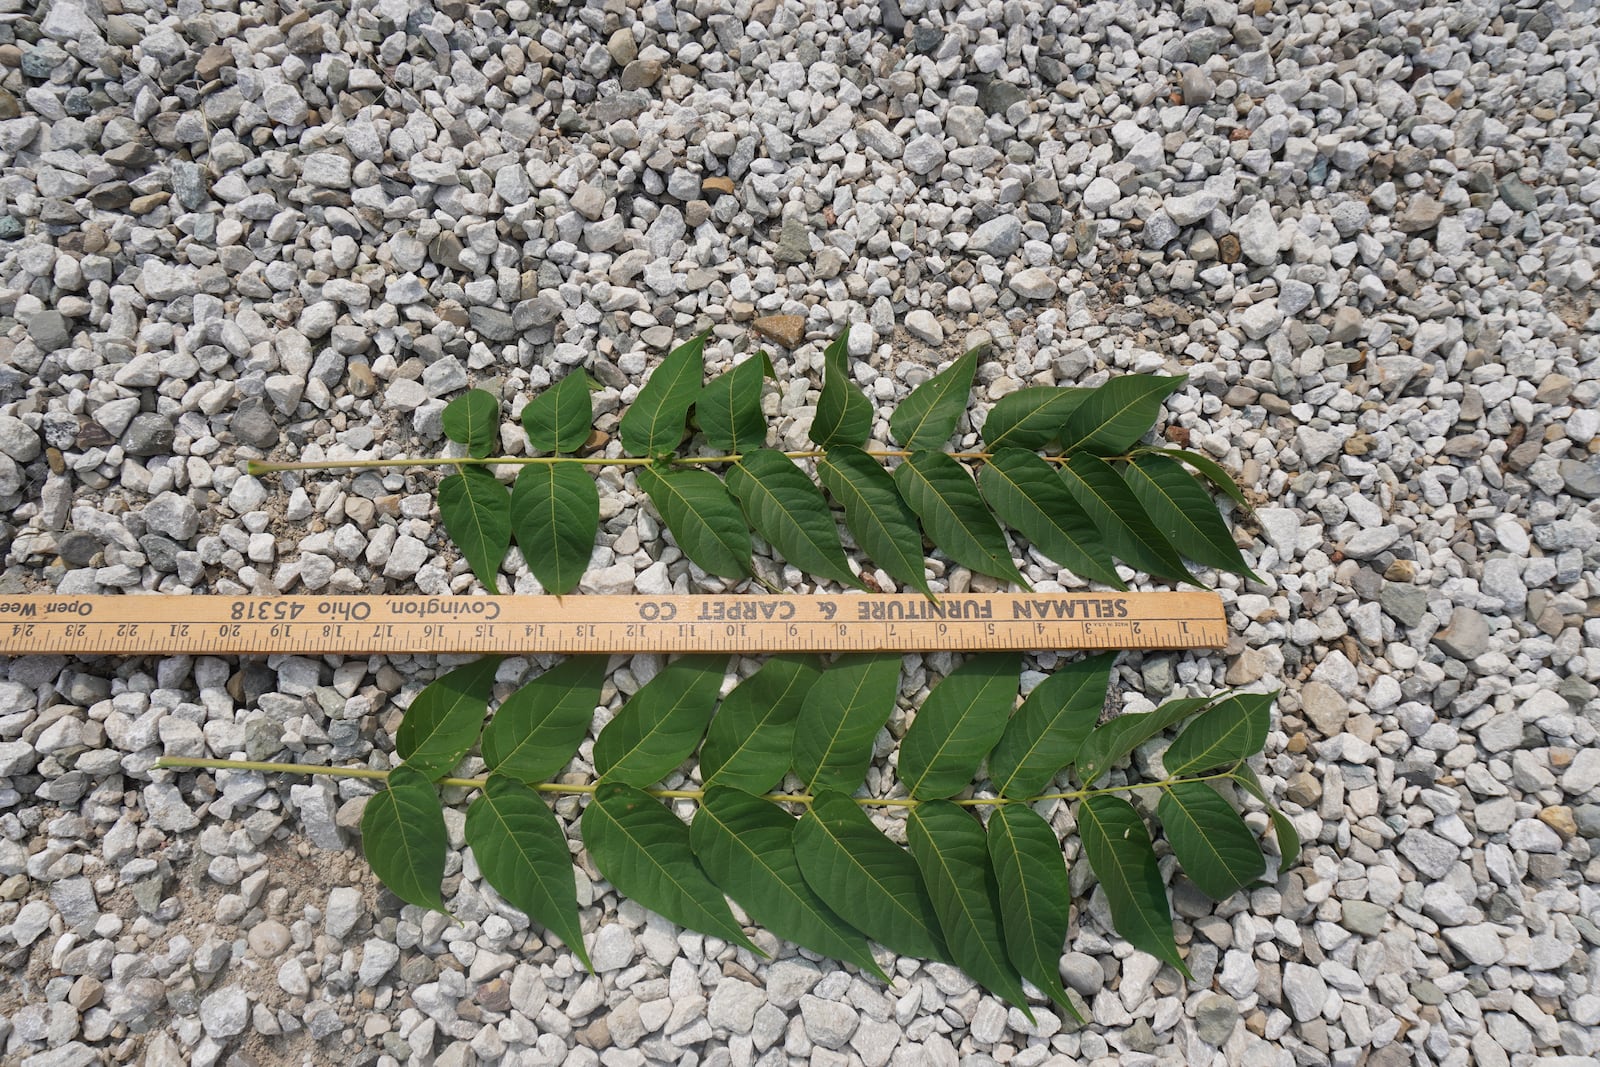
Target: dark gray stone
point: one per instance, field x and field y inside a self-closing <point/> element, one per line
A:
<point x="49" y="331"/>
<point x="997" y="96"/>
<point x="1215" y="1019"/>
<point x="162" y="552"/>
<point x="492" y="324"/>
<point x="1406" y="604"/>
<point x="78" y="548"/>
<point x="253" y="425"/>
<point x="149" y="434"/>
<point x="1582" y="477"/>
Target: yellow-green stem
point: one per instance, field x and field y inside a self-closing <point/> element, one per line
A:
<point x="257" y="467"/>
<point x="579" y="788"/>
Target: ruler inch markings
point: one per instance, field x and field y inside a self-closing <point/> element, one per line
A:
<point x="365" y="625"/>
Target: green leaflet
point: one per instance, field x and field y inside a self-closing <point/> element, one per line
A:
<point x="1228" y="733"/>
<point x="522" y="852"/>
<point x="1031" y="498"/>
<point x="403" y="838"/>
<point x="643" y="850"/>
<point x="861" y="873"/>
<point x="1288" y="836"/>
<point x="476" y="510"/>
<point x="729" y="407"/>
<point x="536" y="730"/>
<point x="1121" y="519"/>
<point x="787" y="509"/>
<point x="1113" y="740"/>
<point x="1030" y="418"/>
<point x="1118" y="413"/>
<point x="1184" y="512"/>
<point x="1035" y="896"/>
<point x="1217" y="850"/>
<point x="555" y="513"/>
<point x="882" y="525"/>
<point x="703" y="518"/>
<point x="473" y="419"/>
<point x="928" y="417"/>
<point x="951" y="852"/>
<point x="660" y="724"/>
<point x="1117" y="845"/>
<point x="841" y="717"/>
<point x="953" y="515"/>
<point x="1047" y="731"/>
<point x="959" y="722"/>
<point x="844" y="414"/>
<point x="751" y="741"/>
<point x="653" y="425"/>
<point x="746" y="845"/>
<point x="559" y="419"/>
<point x="1208" y="467"/>
<point x="444" y="720"/>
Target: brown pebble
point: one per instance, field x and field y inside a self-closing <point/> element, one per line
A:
<point x="1401" y="570"/>
<point x="1228" y="248"/>
<point x="85" y="992"/>
<point x="719" y="184"/>
<point x="787" y="330"/>
<point x="1296" y="744"/>
<point x="1559" y="818"/>
<point x="597" y="440"/>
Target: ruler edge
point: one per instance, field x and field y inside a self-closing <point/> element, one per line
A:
<point x="1211" y="612"/>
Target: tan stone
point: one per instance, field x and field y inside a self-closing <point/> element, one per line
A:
<point x="787" y="330"/>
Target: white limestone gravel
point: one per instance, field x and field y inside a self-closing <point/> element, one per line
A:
<point x="1366" y="231"/>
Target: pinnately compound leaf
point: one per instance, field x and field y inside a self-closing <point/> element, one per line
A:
<point x="884" y="527"/>
<point x="729" y="408"/>
<point x="1184" y="512"/>
<point x="844" y="414"/>
<point x="1226" y="734"/>
<point x="404" y="839"/>
<point x="559" y="419"/>
<point x="536" y="731"/>
<point x="841" y="717"/>
<point x="746" y="845"/>
<point x="472" y="419"/>
<point x="957" y="725"/>
<point x="1035" y="896"/>
<point x="1047" y="731"/>
<point x="928" y="417"/>
<point x="1030" y="497"/>
<point x="787" y="509"/>
<point x="1117" y="845"/>
<point x="1288" y="836"/>
<point x="476" y="510"/>
<point x="1118" y="413"/>
<point x="861" y="873"/>
<point x="954" y="516"/>
<point x="1216" y="849"/>
<point x="445" y="718"/>
<point x="522" y="852"/>
<point x="951" y="852"/>
<point x="660" y="724"/>
<point x="643" y="850"/>
<point x="1121" y="519"/>
<point x="703" y="518"/>
<point x="1030" y="418"/>
<point x="555" y="514"/>
<point x="1111" y="741"/>
<point x="750" y="742"/>
<point x="653" y="424"/>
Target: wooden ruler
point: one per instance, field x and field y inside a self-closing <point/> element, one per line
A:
<point x="364" y="625"/>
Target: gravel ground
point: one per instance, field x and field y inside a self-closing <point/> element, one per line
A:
<point x="235" y="229"/>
